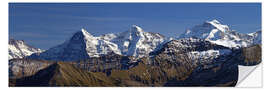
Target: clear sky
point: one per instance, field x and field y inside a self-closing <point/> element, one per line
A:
<point x="45" y="25"/>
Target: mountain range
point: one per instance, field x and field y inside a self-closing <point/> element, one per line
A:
<point x="205" y="55"/>
<point x="191" y="62"/>
<point x="135" y="42"/>
<point x="83" y="45"/>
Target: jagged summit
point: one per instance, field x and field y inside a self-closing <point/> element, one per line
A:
<point x="82" y="36"/>
<point x="136" y="28"/>
<point x="13" y="41"/>
<point x="214" y="21"/>
<point x="218" y="25"/>
<point x="84" y="33"/>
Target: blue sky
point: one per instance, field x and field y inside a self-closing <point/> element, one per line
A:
<point x="44" y="25"/>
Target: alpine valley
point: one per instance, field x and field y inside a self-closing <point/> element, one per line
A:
<point x="205" y="55"/>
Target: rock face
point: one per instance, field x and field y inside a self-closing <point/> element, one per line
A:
<point x="23" y="67"/>
<point x="105" y="63"/>
<point x="220" y="34"/>
<point x="19" y="49"/>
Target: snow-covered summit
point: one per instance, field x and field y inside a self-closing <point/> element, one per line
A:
<point x="214" y="21"/>
<point x="218" y="25"/>
<point x="220" y="34"/>
<point x="135" y="41"/>
<point x="136" y="28"/>
<point x="85" y="33"/>
<point x="19" y="49"/>
<point x="83" y="45"/>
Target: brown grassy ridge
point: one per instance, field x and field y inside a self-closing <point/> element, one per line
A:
<point x="63" y="74"/>
<point x="66" y="74"/>
<point x="72" y="76"/>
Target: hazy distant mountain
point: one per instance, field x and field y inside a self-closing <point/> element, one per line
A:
<point x="19" y="49"/>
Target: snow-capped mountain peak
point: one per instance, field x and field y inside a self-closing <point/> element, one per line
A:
<point x="214" y="21"/>
<point x="220" y="34"/>
<point x="211" y="30"/>
<point x="19" y="49"/>
<point x="218" y="25"/>
<point x="82" y="45"/>
<point x="135" y="41"/>
<point x="136" y="28"/>
<point x="85" y="32"/>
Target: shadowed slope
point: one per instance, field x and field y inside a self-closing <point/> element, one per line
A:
<point x="63" y="74"/>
